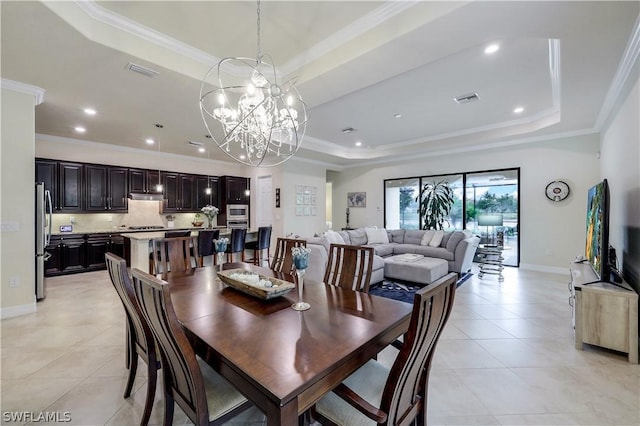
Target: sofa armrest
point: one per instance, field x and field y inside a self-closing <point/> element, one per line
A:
<point x="318" y="259"/>
<point x="464" y="254"/>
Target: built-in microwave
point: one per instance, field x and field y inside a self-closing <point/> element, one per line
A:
<point x="237" y="212"/>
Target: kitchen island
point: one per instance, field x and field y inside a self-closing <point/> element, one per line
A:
<point x="140" y="245"/>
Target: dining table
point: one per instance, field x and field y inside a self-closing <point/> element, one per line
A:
<point x="281" y="359"/>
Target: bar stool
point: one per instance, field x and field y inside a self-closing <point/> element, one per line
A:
<point x="262" y="243"/>
<point x="236" y="244"/>
<point x="168" y="234"/>
<point x="206" y="246"/>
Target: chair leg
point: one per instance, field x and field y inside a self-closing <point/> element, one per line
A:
<point x="168" y="408"/>
<point x="133" y="369"/>
<point x="152" y="380"/>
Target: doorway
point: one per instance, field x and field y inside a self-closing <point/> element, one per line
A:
<point x="264" y="208"/>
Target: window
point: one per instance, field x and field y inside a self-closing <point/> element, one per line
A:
<point x="401" y="205"/>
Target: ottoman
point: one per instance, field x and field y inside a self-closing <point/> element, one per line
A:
<point x="422" y="270"/>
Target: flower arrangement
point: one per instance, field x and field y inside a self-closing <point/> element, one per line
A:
<point x="300" y="257"/>
<point x="210" y="213"/>
<point x="221" y="244"/>
<point x="197" y="220"/>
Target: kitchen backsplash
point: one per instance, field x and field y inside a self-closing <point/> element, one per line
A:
<point x="141" y="213"/>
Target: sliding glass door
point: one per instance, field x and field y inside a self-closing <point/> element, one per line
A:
<point x="486" y="203"/>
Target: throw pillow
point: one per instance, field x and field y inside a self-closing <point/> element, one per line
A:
<point x="437" y="238"/>
<point x="427" y="237"/>
<point x="358" y="237"/>
<point x="333" y="237"/>
<point x="377" y="236"/>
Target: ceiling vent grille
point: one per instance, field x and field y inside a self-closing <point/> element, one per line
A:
<point x="194" y="143"/>
<point x="465" y="99"/>
<point x="141" y="70"/>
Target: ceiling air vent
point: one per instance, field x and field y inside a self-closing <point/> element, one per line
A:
<point x="348" y="130"/>
<point x="194" y="143"/>
<point x="141" y="70"/>
<point x="465" y="99"/>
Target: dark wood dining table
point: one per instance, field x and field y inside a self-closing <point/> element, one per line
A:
<point x="281" y="359"/>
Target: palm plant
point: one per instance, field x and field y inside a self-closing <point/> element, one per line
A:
<point x="436" y="200"/>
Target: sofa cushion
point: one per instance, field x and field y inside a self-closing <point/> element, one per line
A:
<point x="334" y="237"/>
<point x="439" y="252"/>
<point x="345" y="237"/>
<point x="322" y="241"/>
<point x="454" y="240"/>
<point x="413" y="236"/>
<point x="427" y="237"/>
<point x="405" y="248"/>
<point x="396" y="236"/>
<point x="445" y="238"/>
<point x="378" y="263"/>
<point x="358" y="237"/>
<point x="383" y="250"/>
<point x="377" y="236"/>
<point x="437" y="238"/>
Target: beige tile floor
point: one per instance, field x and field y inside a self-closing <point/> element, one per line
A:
<point x="506" y="358"/>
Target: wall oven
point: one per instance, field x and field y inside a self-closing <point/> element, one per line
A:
<point x="237" y="216"/>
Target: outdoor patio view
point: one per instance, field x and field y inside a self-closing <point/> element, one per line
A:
<point x="485" y="203"/>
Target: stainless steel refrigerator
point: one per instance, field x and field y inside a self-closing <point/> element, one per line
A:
<point x="43" y="236"/>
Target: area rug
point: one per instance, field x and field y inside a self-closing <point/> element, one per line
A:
<point x="403" y="291"/>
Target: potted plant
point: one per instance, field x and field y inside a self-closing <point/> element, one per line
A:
<point x="436" y="200"/>
<point x="197" y="220"/>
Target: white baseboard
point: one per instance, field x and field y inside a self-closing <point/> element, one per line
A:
<point x="14" y="311"/>
<point x="544" y="268"/>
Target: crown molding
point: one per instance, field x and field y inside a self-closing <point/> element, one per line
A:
<point x="16" y="86"/>
<point x="627" y="63"/>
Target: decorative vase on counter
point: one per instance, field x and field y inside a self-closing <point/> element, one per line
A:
<point x="301" y="261"/>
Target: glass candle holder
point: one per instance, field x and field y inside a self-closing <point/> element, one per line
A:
<point x="301" y="261"/>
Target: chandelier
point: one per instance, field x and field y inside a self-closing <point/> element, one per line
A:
<point x="252" y="117"/>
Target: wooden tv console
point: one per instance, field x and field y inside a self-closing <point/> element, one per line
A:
<point x="603" y="314"/>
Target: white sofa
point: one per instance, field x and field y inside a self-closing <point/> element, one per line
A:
<point x="456" y="247"/>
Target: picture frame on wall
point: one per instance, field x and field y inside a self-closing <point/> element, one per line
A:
<point x="356" y="199"/>
<point x="299" y="210"/>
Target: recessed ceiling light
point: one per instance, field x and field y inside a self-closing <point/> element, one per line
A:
<point x="150" y="141"/>
<point x="397" y="115"/>
<point x="90" y="111"/>
<point x="201" y="149"/>
<point x="80" y="129"/>
<point x="358" y="143"/>
<point x="242" y="156"/>
<point x="518" y="110"/>
<point x="492" y="48"/>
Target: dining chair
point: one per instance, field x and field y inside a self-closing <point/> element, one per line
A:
<point x="140" y="341"/>
<point x="396" y="395"/>
<point x="283" y="258"/>
<point x="167" y="234"/>
<point x="349" y="267"/>
<point x="204" y="396"/>
<point x="206" y="246"/>
<point x="236" y="243"/>
<point x="173" y="254"/>
<point x="260" y="245"/>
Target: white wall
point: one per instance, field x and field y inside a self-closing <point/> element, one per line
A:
<point x="551" y="234"/>
<point x="17" y="205"/>
<point x="296" y="172"/>
<point x="620" y="158"/>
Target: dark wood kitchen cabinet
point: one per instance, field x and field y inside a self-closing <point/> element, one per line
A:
<point x="179" y="192"/>
<point x="206" y="191"/>
<point x="67" y="255"/>
<point x="143" y="181"/>
<point x="98" y="245"/>
<point x="70" y="186"/>
<point x="47" y="172"/>
<point x="234" y="189"/>
<point x="106" y="188"/>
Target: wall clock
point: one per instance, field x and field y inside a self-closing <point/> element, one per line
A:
<point x="557" y="190"/>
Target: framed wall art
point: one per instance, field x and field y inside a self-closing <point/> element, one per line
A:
<point x="356" y="199"/>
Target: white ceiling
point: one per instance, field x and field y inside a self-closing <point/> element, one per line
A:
<point x="357" y="64"/>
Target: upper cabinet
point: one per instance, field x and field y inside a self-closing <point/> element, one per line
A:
<point x="99" y="188"/>
<point x="234" y="190"/>
<point x="206" y="191"/>
<point x="47" y="172"/>
<point x="106" y="188"/>
<point x="179" y="192"/>
<point x="70" y="186"/>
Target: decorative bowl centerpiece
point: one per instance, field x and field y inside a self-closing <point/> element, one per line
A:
<point x="254" y="284"/>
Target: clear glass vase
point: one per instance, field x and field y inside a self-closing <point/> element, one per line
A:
<point x="300" y="305"/>
<point x="220" y="259"/>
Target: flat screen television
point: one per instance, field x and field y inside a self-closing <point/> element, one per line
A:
<point x="597" y="241"/>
